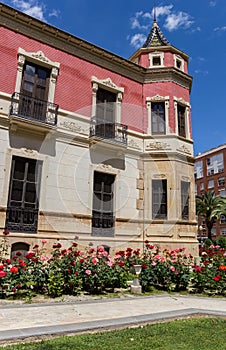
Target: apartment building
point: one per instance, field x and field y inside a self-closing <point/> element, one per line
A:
<point x="210" y="175"/>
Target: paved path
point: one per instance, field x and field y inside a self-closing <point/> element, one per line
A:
<point x="20" y="321"/>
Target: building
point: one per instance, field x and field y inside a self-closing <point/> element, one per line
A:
<point x="93" y="144"/>
<point x="210" y="175"/>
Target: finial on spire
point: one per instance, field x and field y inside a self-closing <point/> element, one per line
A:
<point x="154" y="5"/>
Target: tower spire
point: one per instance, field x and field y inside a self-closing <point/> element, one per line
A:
<point x="155" y="37"/>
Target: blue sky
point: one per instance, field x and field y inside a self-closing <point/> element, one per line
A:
<point x="197" y="27"/>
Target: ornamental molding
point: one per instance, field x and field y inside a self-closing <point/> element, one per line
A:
<point x="181" y="101"/>
<point x="106" y="168"/>
<point x="157" y="98"/>
<point x="29" y="152"/>
<point x="72" y="126"/>
<point x="186" y="178"/>
<point x="133" y="144"/>
<point x="159" y="176"/>
<point x="157" y="145"/>
<point x="37" y="56"/>
<point x="107" y="83"/>
<point x="184" y="149"/>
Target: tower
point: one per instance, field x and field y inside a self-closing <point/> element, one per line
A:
<point x="169" y="200"/>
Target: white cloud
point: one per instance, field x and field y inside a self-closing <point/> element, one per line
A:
<point x="163" y="10"/>
<point x="138" y="18"/>
<point x="137" y="40"/>
<point x="175" y="21"/>
<point x="54" y="13"/>
<point x="201" y="72"/>
<point x="220" y="29"/>
<point x="31" y="8"/>
<point x="212" y="3"/>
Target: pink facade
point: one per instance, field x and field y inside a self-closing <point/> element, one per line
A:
<point x="74" y="88"/>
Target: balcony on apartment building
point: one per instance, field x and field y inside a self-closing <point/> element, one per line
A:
<point x="107" y="130"/>
<point x="32" y="111"/>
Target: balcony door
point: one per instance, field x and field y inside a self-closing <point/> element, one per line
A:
<point x="23" y="199"/>
<point x="34" y="92"/>
<point x="105" y="113"/>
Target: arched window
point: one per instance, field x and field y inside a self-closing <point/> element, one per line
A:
<point x="21" y="247"/>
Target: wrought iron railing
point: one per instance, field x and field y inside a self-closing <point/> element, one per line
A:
<point x="108" y="130"/>
<point x="103" y="224"/>
<point x="34" y="109"/>
<point x="21" y="219"/>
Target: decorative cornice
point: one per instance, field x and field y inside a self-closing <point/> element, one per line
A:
<point x="107" y="83"/>
<point x="37" y="56"/>
<point x="157" y="98"/>
<point x="184" y="149"/>
<point x="156" y="146"/>
<point x="72" y="126"/>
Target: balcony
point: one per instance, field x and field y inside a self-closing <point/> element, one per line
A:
<point x="32" y="109"/>
<point x="21" y="219"/>
<point x="103" y="224"/>
<point x="104" y="130"/>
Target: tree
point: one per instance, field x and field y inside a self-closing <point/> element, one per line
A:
<point x="210" y="207"/>
<point x="220" y="208"/>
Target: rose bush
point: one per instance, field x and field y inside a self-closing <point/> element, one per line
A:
<point x="71" y="271"/>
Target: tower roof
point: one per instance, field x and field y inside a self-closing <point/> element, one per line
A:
<point x="155" y="37"/>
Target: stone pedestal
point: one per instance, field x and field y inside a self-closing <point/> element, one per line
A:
<point x="136" y="287"/>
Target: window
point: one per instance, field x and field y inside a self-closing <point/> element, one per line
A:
<point x="34" y="92"/>
<point x="215" y="164"/>
<point x="198" y="169"/>
<point x="35" y="88"/>
<point x="223" y="231"/>
<point x="213" y="231"/>
<point x="201" y="186"/>
<point x="221" y="181"/>
<point x="20" y="248"/>
<point x="223" y="219"/>
<point x="185" y="189"/>
<point x="158" y="118"/>
<point x="210" y="183"/>
<point x="23" y="200"/>
<point x="159" y="199"/>
<point x="178" y="62"/>
<point x="156" y="59"/>
<point x="103" y="206"/>
<point x="222" y="193"/>
<point x="105" y="113"/>
<point x="181" y="120"/>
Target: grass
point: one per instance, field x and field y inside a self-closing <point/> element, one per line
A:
<point x="188" y="334"/>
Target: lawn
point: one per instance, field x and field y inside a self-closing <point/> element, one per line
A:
<point x="188" y="334"/>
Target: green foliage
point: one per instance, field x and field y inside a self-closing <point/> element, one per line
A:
<point x="55" y="284"/>
<point x="209" y="207"/>
<point x="221" y="241"/>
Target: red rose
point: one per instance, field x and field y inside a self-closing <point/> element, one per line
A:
<point x="6" y="232"/>
<point x="14" y="269"/>
<point x="2" y="274"/>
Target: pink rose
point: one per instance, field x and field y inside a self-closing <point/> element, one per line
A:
<point x="88" y="272"/>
